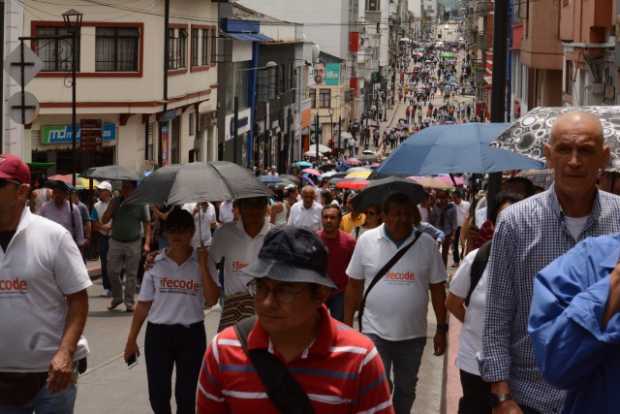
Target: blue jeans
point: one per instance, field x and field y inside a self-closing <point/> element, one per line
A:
<point x="104" y="246"/>
<point x="405" y="358"/>
<point x="47" y="403"/>
<point x="335" y="304"/>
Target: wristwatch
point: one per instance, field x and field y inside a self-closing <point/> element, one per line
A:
<point x="497" y="399"/>
<point x="442" y="327"/>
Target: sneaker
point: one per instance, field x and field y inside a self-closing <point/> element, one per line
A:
<point x="129" y="309"/>
<point x="114" y="305"/>
<point x="106" y="294"/>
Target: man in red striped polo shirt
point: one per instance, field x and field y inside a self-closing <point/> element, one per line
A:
<point x="337" y="368"/>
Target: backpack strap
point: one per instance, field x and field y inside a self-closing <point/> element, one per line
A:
<point x="477" y="268"/>
<point x="283" y="390"/>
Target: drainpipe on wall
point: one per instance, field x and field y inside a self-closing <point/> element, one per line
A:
<point x="166" y="51"/>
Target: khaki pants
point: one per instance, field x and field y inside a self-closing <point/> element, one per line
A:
<point x="127" y="254"/>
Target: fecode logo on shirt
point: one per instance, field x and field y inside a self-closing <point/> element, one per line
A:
<point x="401" y="276"/>
<point x="187" y="287"/>
<point x="237" y="265"/>
<point x="14" y="286"/>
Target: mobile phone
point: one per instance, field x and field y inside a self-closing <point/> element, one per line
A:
<point x="132" y="361"/>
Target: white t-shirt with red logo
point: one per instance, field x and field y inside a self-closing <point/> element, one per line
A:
<point x="41" y="266"/>
<point x="239" y="250"/>
<point x="175" y="290"/>
<point x="396" y="307"/>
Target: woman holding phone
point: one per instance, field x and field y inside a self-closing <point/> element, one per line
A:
<point x="172" y="299"/>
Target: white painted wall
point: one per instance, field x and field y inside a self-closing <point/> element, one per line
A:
<point x="149" y="87"/>
<point x="325" y="21"/>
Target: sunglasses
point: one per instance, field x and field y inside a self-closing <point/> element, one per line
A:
<point x="5" y="182"/>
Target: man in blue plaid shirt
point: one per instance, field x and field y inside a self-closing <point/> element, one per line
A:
<point x="530" y="235"/>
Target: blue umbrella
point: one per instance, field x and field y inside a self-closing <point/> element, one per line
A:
<point x="461" y="148"/>
<point x="269" y="179"/>
<point x="303" y="164"/>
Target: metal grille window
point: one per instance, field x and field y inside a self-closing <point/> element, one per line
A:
<point x="213" y="46"/>
<point x="56" y="54"/>
<point x="325" y="97"/>
<point x="177" y="48"/>
<point x="116" y="49"/>
<point x="373" y="5"/>
<point x="194" y="50"/>
<point x="206" y="44"/>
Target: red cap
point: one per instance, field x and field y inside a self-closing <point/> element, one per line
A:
<point x="13" y="168"/>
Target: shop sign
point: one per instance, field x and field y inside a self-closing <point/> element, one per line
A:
<point x="63" y="134"/>
<point x="332" y="74"/>
<point x="244" y="122"/>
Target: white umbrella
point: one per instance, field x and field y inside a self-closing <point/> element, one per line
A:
<point x="322" y="150"/>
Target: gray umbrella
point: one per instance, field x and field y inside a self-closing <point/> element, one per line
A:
<point x="528" y="134"/>
<point x="188" y="183"/>
<point x="379" y="190"/>
<point x="111" y="172"/>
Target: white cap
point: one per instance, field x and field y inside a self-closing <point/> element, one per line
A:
<point x="104" y="185"/>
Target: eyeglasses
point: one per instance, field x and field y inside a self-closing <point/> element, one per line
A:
<point x="5" y="182"/>
<point x="281" y="293"/>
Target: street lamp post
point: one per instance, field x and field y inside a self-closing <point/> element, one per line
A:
<point x="73" y="23"/>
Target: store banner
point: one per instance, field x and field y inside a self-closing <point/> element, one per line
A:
<point x="63" y="134"/>
<point x="332" y="74"/>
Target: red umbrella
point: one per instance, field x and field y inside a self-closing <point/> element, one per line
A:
<point x="353" y="161"/>
<point x="66" y="178"/>
<point x="448" y="180"/>
<point x="352" y="184"/>
<point x="311" y="171"/>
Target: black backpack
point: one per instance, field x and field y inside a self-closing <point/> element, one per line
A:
<point x="477" y="268"/>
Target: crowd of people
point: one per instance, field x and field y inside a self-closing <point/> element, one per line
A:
<point x="324" y="307"/>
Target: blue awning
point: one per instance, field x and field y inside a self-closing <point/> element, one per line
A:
<point x="248" y="37"/>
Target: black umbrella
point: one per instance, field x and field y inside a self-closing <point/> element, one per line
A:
<point x="111" y="172"/>
<point x="195" y="182"/>
<point x="379" y="190"/>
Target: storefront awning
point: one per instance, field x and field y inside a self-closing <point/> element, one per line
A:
<point x="249" y="37"/>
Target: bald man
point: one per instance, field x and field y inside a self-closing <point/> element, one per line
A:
<point x="530" y="235"/>
<point x="306" y="212"/>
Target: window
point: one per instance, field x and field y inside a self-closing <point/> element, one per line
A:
<point x="116" y="49"/>
<point x="194" y="50"/>
<point x="313" y="97"/>
<point x="282" y="75"/>
<point x="56" y="54"/>
<point x="373" y="5"/>
<point x="206" y="44"/>
<point x="568" y="81"/>
<point x="192" y="124"/>
<point x="213" y="46"/>
<point x="177" y="48"/>
<point x="325" y="97"/>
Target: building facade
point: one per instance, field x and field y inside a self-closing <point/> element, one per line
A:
<point x="145" y="115"/>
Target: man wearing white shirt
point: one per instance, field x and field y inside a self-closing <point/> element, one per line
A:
<point x="395" y="313"/>
<point x="43" y="303"/>
<point x="105" y="195"/>
<point x="462" y="212"/>
<point x="234" y="246"/>
<point x="307" y="212"/>
<point x="227" y="212"/>
<point x="205" y="220"/>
